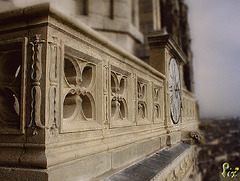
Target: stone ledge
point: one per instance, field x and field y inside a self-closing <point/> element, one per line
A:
<point x="150" y="167"/>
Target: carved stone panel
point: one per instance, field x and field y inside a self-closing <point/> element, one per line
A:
<point x="143" y="95"/>
<point x="78" y="94"/>
<point x="12" y="86"/>
<point x="158" y="111"/>
<point x="119" y="97"/>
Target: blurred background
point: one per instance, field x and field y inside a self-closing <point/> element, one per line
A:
<point x="214" y="28"/>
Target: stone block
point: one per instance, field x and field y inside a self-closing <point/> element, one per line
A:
<point x="147" y="146"/>
<point x="121" y="11"/>
<point x="7" y="174"/>
<point x="173" y="138"/>
<point x="163" y="139"/>
<point x="96" y="7"/>
<point x="82" y="169"/>
<point x="124" y="155"/>
<point x="10" y="156"/>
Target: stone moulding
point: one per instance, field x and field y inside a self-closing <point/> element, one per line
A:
<point x="36" y="75"/>
<point x="55" y="46"/>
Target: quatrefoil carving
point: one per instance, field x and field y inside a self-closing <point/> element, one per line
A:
<point x="142" y="106"/>
<point x="79" y="82"/>
<point x="118" y="96"/>
<point x="141" y="87"/>
<point x="156" y="100"/>
<point x="156" y="111"/>
<point x="10" y="86"/>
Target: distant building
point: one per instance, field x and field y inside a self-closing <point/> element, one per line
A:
<point x="221" y="146"/>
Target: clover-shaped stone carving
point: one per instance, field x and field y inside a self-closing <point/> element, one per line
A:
<point x="10" y="86"/>
<point x="156" y="103"/>
<point x="142" y="106"/>
<point x="78" y="90"/>
<point x="118" y="96"/>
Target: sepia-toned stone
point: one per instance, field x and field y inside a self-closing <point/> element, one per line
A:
<point x="76" y="102"/>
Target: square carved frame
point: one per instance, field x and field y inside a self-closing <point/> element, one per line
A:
<point x="19" y="44"/>
<point x="121" y="90"/>
<point x="80" y="87"/>
<point x="144" y="101"/>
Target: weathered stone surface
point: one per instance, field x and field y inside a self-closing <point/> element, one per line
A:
<point x="124" y="155"/>
<point x="82" y="106"/>
<point x="174" y="138"/>
<point x="82" y="169"/>
<point x="12" y="173"/>
<point x="151" y="166"/>
<point x="147" y="146"/>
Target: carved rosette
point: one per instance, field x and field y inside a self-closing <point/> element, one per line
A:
<point x="142" y="100"/>
<point x="78" y="93"/>
<point x="55" y="56"/>
<point x="36" y="75"/>
<point x="118" y="96"/>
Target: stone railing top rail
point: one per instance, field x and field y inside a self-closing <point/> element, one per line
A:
<point x="23" y="16"/>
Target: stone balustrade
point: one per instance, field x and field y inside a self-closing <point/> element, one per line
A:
<point x="74" y="105"/>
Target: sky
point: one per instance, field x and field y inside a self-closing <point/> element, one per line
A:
<point x="215" y="33"/>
